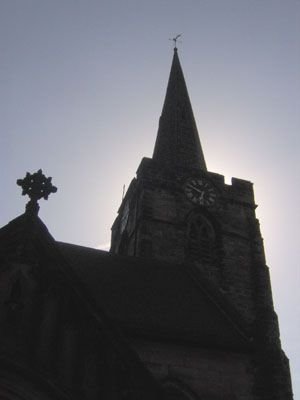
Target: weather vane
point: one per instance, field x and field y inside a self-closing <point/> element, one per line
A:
<point x="36" y="186"/>
<point x="175" y="40"/>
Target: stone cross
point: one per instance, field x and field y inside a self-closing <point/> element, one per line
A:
<point x="36" y="186"/>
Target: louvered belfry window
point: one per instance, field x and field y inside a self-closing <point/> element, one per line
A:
<point x="201" y="240"/>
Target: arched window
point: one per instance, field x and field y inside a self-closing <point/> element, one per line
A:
<point x="201" y="240"/>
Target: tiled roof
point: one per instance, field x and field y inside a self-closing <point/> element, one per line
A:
<point x="147" y="297"/>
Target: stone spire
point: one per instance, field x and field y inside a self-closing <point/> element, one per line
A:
<point x="177" y="144"/>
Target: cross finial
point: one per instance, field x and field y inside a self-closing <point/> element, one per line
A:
<point x="175" y="40"/>
<point x="36" y="186"/>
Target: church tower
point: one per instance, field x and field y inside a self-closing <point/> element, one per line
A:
<point x="178" y="212"/>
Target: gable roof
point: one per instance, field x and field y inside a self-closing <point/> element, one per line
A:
<point x="151" y="298"/>
<point x="141" y="296"/>
<point x="26" y="242"/>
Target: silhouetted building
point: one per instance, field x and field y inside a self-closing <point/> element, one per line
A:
<point x="180" y="308"/>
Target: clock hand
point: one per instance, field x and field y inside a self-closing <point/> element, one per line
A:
<point x="195" y="188"/>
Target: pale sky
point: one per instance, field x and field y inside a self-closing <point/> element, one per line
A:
<point x="82" y="83"/>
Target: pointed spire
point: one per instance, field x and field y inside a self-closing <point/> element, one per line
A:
<point x="177" y="143"/>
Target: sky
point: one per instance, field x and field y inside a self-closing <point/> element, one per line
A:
<point x="82" y="83"/>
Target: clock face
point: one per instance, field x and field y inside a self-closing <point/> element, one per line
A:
<point x="199" y="191"/>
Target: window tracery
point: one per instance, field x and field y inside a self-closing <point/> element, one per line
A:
<point x="201" y="240"/>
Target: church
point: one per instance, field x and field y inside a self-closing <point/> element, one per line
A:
<point x="180" y="308"/>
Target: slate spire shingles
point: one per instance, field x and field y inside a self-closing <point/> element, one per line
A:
<point x="177" y="143"/>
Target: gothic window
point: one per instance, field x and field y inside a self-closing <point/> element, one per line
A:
<point x="201" y="240"/>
